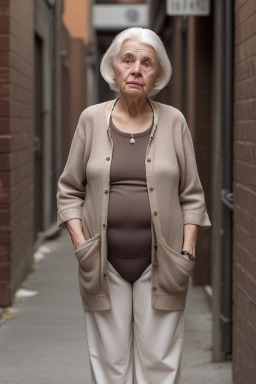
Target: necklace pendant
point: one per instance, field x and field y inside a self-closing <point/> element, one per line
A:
<point x="132" y="141"/>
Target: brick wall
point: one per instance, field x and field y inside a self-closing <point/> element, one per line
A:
<point x="244" y="266"/>
<point x="4" y="149"/>
<point x="16" y="144"/>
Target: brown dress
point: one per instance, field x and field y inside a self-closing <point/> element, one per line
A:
<point x="129" y="216"/>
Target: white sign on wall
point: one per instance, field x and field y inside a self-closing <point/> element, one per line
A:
<point x="117" y="17"/>
<point x="188" y="7"/>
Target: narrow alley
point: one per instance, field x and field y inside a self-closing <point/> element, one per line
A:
<point x="44" y="341"/>
<point x="51" y="55"/>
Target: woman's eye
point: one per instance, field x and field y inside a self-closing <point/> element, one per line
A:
<point x="127" y="61"/>
<point x="147" y="64"/>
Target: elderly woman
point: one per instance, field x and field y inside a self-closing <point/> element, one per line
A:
<point x="131" y="199"/>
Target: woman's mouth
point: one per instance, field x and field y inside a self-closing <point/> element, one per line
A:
<point x="134" y="84"/>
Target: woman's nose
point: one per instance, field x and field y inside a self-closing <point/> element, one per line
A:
<point x="136" y="70"/>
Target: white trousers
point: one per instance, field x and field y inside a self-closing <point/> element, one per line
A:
<point x="132" y="343"/>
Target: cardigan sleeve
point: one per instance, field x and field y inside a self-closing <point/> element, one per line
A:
<point x="72" y="182"/>
<point x="191" y="193"/>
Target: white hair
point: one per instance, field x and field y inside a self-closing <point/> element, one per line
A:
<point x="145" y="36"/>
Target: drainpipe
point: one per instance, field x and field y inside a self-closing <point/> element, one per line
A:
<point x="222" y="180"/>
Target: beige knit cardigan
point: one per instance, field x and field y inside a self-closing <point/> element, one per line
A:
<point x="175" y="194"/>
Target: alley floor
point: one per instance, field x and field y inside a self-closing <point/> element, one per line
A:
<point x="42" y="337"/>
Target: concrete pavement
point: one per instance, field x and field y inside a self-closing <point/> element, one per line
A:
<point x="44" y="340"/>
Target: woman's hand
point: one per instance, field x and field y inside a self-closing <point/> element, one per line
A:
<point x="190" y="237"/>
<point x="74" y="228"/>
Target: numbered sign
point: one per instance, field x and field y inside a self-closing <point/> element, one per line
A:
<point x="188" y="7"/>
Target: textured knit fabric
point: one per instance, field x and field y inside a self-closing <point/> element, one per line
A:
<point x="175" y="195"/>
<point x="129" y="216"/>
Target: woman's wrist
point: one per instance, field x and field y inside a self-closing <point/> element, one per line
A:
<point x="74" y="227"/>
<point x="78" y="242"/>
<point x="188" y="255"/>
<point x="191" y="248"/>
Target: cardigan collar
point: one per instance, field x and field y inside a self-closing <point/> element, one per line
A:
<point x="155" y="107"/>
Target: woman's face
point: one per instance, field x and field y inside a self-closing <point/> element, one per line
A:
<point x="137" y="68"/>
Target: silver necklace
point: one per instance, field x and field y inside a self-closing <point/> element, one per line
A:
<point x="132" y="140"/>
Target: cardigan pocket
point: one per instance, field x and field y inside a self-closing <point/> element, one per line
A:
<point x="89" y="271"/>
<point x="173" y="270"/>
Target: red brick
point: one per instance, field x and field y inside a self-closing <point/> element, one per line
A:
<point x="4" y="108"/>
<point x="5" y="162"/>
<point x="4" y="43"/>
<point x="4" y="76"/>
<point x="4" y="91"/>
<point x="5" y="144"/>
<point x="4" y="25"/>
<point x="5" y="294"/>
<point x="4" y="179"/>
<point x="5" y="253"/>
<point x="4" y="58"/>
<point x="4" y="217"/>
<point x="5" y="236"/>
<point x="5" y="271"/>
<point x="4" y="125"/>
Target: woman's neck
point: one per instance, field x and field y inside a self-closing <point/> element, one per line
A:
<point x="132" y="107"/>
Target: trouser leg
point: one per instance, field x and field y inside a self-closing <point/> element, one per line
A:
<point x="110" y="335"/>
<point x="158" y="337"/>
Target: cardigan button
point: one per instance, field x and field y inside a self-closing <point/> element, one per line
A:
<point x="105" y="275"/>
<point x="155" y="246"/>
<point x="154" y="288"/>
<point x="148" y="159"/>
<point x="108" y="158"/>
<point x="155" y="213"/>
<point x="106" y="191"/>
<point x="151" y="188"/>
<point x="154" y="265"/>
<point x="104" y="225"/>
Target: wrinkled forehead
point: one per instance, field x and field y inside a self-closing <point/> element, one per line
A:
<point x="136" y="47"/>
